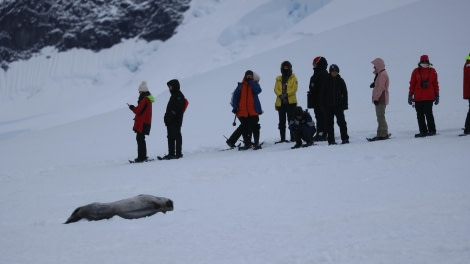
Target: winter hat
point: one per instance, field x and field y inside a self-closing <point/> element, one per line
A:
<point x="468" y="57"/>
<point x="256" y="77"/>
<point x="334" y="68"/>
<point x="143" y="87"/>
<point x="317" y="59"/>
<point x="299" y="111"/>
<point x="174" y="83"/>
<point x="249" y="72"/>
<point x="424" y="58"/>
<point x="321" y="63"/>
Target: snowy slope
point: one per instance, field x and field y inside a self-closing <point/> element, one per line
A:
<point x="65" y="137"/>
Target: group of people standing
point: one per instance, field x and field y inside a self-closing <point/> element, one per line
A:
<point x="173" y="120"/>
<point x="327" y="95"/>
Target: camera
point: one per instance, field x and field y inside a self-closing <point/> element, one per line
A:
<point x="424" y="84"/>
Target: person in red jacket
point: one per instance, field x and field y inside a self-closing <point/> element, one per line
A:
<point x="424" y="90"/>
<point x="466" y="92"/>
<point x="142" y="120"/>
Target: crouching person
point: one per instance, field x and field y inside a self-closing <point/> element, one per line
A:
<point x="303" y="127"/>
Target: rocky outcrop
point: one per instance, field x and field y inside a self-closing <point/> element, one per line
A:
<point x="26" y="26"/>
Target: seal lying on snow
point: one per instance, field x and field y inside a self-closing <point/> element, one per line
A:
<point x="136" y="207"/>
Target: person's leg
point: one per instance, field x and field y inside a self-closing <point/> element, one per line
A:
<point x="141" y="146"/>
<point x="423" y="128"/>
<point x="467" y="120"/>
<point x="382" y="129"/>
<point x="341" y="121"/>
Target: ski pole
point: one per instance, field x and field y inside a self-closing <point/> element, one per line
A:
<point x="234" y="120"/>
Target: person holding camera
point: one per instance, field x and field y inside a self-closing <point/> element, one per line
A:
<point x="247" y="106"/>
<point x="303" y="127"/>
<point x="142" y="120"/>
<point x="424" y="91"/>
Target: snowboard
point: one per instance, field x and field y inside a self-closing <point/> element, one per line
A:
<point x="377" y="139"/>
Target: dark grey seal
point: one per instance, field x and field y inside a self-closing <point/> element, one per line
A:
<point x="136" y="207"/>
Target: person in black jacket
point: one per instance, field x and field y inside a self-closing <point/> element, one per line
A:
<point x="315" y="93"/>
<point x="303" y="127"/>
<point x="336" y="101"/>
<point x="174" y="120"/>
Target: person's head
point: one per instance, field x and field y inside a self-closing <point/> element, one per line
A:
<point x="379" y="65"/>
<point x="173" y="85"/>
<point x="251" y="75"/>
<point x="299" y="112"/>
<point x="143" y="87"/>
<point x="320" y="63"/>
<point x="286" y="68"/>
<point x="424" y="61"/>
<point x="334" y="70"/>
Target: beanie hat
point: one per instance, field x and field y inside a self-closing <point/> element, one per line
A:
<point x="299" y="111"/>
<point x="256" y="76"/>
<point x="321" y="62"/>
<point x="143" y="87"/>
<point x="424" y="58"/>
<point x="174" y="83"/>
<point x="317" y="59"/>
<point x="468" y="57"/>
<point x="334" y="68"/>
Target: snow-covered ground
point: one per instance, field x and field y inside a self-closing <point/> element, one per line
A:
<point x="66" y="135"/>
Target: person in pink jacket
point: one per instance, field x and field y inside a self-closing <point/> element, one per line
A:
<point x="424" y="90"/>
<point x="466" y="92"/>
<point x="380" y="97"/>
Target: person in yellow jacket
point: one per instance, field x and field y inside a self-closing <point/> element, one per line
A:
<point x="285" y="89"/>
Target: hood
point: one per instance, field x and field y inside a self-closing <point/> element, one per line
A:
<point x="175" y="84"/>
<point x="379" y="65"/>
<point x="151" y="98"/>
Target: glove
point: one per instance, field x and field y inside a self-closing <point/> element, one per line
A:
<point x="436" y="99"/>
<point x="345" y="107"/>
<point x="283" y="96"/>
<point x="376" y="102"/>
<point x="234" y="110"/>
<point x="131" y="107"/>
<point x="372" y="85"/>
<point x="410" y="99"/>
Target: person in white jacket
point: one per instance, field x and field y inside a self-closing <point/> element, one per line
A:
<point x="380" y="97"/>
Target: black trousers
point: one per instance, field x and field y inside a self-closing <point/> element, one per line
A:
<point x="467" y="120"/>
<point x="175" y="140"/>
<point x="250" y="126"/>
<point x="320" y="118"/>
<point x="331" y="113"/>
<point x="236" y="135"/>
<point x="141" y="146"/>
<point x="286" y="114"/>
<point x="425" y="116"/>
